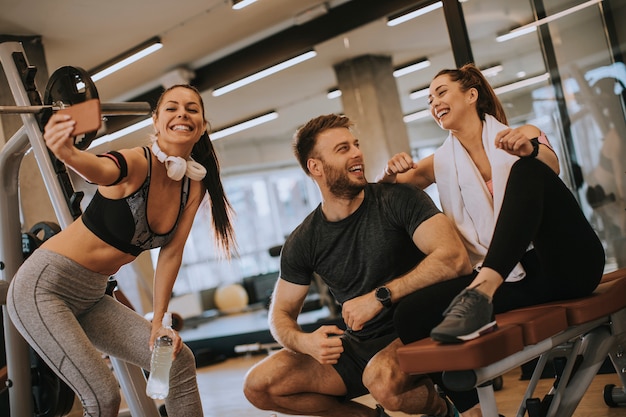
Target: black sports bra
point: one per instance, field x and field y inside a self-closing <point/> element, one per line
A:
<point x="123" y="223"/>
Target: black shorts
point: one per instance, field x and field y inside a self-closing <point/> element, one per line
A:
<point x="356" y="354"/>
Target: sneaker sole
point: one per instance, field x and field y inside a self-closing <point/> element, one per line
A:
<point x="447" y="338"/>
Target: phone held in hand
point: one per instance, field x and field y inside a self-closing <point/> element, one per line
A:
<point x="86" y="114"/>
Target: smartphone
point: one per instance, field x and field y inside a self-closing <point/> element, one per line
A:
<point x="86" y="114"/>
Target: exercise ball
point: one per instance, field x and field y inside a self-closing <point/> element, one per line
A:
<point x="231" y="298"/>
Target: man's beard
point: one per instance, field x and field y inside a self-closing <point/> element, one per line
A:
<point x="340" y="185"/>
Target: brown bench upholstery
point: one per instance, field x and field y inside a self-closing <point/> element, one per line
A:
<point x="516" y="329"/>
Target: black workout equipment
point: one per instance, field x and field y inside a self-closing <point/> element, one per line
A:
<point x="38" y="234"/>
<point x="51" y="395"/>
<point x="68" y="86"/>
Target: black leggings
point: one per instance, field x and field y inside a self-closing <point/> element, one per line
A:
<point x="567" y="260"/>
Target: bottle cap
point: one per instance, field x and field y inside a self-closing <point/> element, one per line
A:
<point x="167" y="320"/>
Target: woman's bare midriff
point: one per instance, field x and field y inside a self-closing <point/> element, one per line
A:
<point x="85" y="248"/>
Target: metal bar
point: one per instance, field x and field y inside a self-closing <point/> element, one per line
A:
<point x="132" y="381"/>
<point x="24" y="109"/>
<point x="107" y="109"/>
<point x="125" y="109"/>
<point x="16" y="348"/>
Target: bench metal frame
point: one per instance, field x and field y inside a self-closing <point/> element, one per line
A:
<point x="591" y="342"/>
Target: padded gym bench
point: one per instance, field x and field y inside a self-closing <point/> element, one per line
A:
<point x="579" y="333"/>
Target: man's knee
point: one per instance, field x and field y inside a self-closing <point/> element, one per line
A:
<point x="256" y="387"/>
<point x="383" y="383"/>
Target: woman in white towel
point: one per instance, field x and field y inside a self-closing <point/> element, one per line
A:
<point x="526" y="235"/>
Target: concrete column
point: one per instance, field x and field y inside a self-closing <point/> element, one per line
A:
<point x="35" y="203"/>
<point x="370" y="98"/>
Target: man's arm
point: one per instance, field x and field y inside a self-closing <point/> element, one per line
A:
<point x="446" y="258"/>
<point x="287" y="302"/>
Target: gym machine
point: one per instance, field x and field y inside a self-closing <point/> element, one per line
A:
<point x="67" y="86"/>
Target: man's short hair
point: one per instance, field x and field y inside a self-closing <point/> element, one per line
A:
<point x="305" y="137"/>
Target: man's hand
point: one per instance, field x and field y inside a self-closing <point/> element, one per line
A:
<point x="324" y="345"/>
<point x="359" y="310"/>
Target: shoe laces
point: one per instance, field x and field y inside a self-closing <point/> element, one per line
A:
<point x="463" y="303"/>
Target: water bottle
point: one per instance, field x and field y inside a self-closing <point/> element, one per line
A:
<point x="159" y="380"/>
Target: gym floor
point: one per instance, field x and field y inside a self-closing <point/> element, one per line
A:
<point x="220" y="386"/>
<point x="221" y="389"/>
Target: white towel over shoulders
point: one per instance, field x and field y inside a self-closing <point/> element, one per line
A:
<point x="465" y="197"/>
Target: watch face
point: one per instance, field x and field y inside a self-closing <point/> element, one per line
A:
<point x="382" y="293"/>
<point x="384" y="296"/>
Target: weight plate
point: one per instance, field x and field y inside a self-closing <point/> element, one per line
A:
<point x="70" y="85"/>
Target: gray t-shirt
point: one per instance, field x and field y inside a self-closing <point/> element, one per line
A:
<point x="363" y="251"/>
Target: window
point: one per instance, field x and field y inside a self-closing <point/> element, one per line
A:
<point x="268" y="206"/>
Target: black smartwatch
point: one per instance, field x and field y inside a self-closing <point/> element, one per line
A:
<point x="383" y="295"/>
<point x="535" y="152"/>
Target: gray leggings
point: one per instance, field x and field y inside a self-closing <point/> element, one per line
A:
<point x="62" y="311"/>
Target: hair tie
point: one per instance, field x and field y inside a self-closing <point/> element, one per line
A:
<point x="178" y="167"/>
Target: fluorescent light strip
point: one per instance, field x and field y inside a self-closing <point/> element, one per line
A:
<point x="411" y="68"/>
<point x="524" y="30"/>
<point x="412" y="15"/>
<point x="122" y="132"/>
<point x="531" y="27"/>
<point x="332" y="94"/>
<point x="243" y="126"/>
<point x="521" y="84"/>
<point x="127" y="61"/>
<point x="262" y="74"/>
<point x="422" y="114"/>
<point x="237" y="5"/>
<point x="414" y="95"/>
<point x="492" y="71"/>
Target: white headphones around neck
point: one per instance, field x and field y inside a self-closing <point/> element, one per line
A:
<point x="178" y="167"/>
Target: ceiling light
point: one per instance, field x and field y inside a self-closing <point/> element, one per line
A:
<point x="240" y="4"/>
<point x="492" y="71"/>
<point x="334" y="93"/>
<point x="531" y="27"/>
<point x="422" y="114"/>
<point x="122" y="132"/>
<point x="422" y="92"/>
<point x="407" y="69"/>
<point x="521" y="84"/>
<point x="126" y="58"/>
<point x="515" y="33"/>
<point x="401" y="18"/>
<point x="264" y="73"/>
<point x="255" y="121"/>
